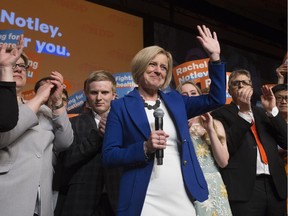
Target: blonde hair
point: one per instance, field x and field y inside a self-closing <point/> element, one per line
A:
<point x="205" y="136"/>
<point x="100" y="75"/>
<point x="142" y="59"/>
<point x="179" y="87"/>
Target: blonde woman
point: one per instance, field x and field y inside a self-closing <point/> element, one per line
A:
<point x="209" y="141"/>
<point x="131" y="141"/>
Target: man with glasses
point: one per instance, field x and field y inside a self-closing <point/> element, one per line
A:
<point x="22" y="66"/>
<point x="281" y="93"/>
<point x="255" y="177"/>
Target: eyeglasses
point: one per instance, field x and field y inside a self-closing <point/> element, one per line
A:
<point x="21" y="66"/>
<point x="236" y="83"/>
<point x="280" y="98"/>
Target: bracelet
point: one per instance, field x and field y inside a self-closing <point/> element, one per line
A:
<point x="55" y="107"/>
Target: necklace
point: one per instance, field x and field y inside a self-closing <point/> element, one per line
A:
<point x="150" y="107"/>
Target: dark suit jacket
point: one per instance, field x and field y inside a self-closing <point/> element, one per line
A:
<point x="83" y="176"/>
<point x="8" y="107"/>
<point x="240" y="173"/>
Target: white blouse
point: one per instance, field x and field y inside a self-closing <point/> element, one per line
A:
<point x="166" y="193"/>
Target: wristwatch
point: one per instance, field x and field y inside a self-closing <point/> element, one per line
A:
<point x="55" y="107"/>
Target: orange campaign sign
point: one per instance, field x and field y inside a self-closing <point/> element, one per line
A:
<point x="197" y="71"/>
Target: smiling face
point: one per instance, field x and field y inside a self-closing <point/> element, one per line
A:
<point x="99" y="96"/>
<point x="19" y="74"/>
<point x="154" y="76"/>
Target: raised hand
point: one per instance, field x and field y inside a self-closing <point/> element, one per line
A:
<point x="57" y="81"/>
<point x="207" y="120"/>
<point x="10" y="58"/>
<point x="267" y="98"/>
<point x="41" y="97"/>
<point x="243" y="97"/>
<point x="209" y="42"/>
<point x="280" y="71"/>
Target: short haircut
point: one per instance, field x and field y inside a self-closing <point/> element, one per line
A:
<point x="25" y="58"/>
<point x="279" y="87"/>
<point x="142" y="59"/>
<point x="38" y="83"/>
<point x="100" y="75"/>
<point x="238" y="72"/>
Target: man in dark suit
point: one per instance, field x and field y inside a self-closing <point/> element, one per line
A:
<point x="255" y="186"/>
<point x="87" y="188"/>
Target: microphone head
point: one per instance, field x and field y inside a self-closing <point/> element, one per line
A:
<point x="158" y="113"/>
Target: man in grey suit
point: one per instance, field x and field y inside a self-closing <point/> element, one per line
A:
<point x="255" y="180"/>
<point x="87" y="188"/>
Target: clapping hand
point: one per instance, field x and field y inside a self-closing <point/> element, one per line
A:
<point x="10" y="58"/>
<point x="57" y="81"/>
<point x="267" y="98"/>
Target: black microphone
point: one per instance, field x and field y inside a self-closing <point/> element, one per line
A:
<point x="158" y="114"/>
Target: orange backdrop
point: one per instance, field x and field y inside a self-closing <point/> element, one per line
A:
<point x="84" y="37"/>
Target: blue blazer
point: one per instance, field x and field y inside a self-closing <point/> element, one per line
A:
<point x="127" y="128"/>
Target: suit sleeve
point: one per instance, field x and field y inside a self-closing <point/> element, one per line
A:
<point x="235" y="132"/>
<point x="8" y="107"/>
<point x="217" y="94"/>
<point x="280" y="126"/>
<point x="63" y="132"/>
<point x="123" y="144"/>
<point x="86" y="143"/>
<point x="27" y="120"/>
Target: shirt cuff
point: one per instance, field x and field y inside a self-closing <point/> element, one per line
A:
<point x="273" y="113"/>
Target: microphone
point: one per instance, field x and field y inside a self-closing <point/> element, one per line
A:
<point x="158" y="114"/>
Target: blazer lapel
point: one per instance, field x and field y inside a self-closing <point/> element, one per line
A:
<point x="91" y="118"/>
<point x="178" y="116"/>
<point x="135" y="107"/>
<point x="232" y="107"/>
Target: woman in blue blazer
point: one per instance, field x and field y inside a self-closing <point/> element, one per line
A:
<point x="131" y="140"/>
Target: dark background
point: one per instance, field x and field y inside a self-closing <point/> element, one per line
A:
<point x="252" y="34"/>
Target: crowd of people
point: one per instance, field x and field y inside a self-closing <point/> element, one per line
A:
<point x="151" y="152"/>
